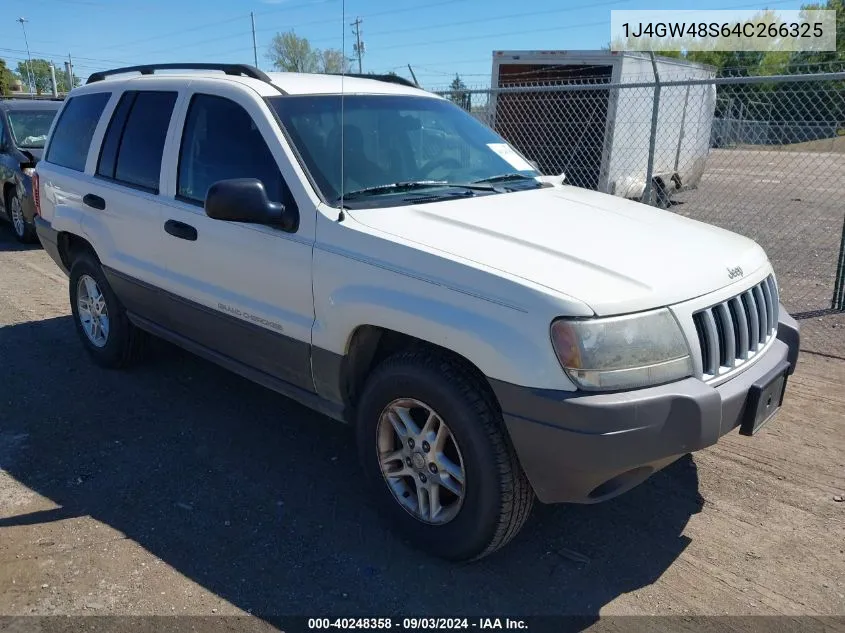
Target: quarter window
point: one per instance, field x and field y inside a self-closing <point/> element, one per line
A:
<point x="134" y="142"/>
<point x="221" y="141"/>
<point x="75" y="129"/>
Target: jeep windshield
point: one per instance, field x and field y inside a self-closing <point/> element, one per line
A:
<point x="398" y="149"/>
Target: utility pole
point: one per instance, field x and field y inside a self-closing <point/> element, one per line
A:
<point x="28" y="56"/>
<point x="359" y="45"/>
<point x="254" y="47"/>
<point x="69" y="73"/>
<point x="53" y="79"/>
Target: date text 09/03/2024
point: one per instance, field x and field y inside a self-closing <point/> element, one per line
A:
<point x="413" y="624"/>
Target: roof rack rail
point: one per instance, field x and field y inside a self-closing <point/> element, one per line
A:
<point x="393" y="79"/>
<point x="149" y="69"/>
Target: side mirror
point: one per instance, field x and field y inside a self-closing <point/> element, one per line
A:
<point x="245" y="200"/>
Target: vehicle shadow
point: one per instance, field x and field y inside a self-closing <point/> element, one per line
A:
<point x="260" y="500"/>
<point x="9" y="243"/>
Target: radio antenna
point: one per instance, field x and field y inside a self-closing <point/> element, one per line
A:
<point x="342" y="215"/>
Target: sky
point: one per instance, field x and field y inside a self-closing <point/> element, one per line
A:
<point x="438" y="38"/>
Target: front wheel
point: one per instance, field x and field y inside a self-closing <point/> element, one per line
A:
<point x="24" y="231"/>
<point x="435" y="452"/>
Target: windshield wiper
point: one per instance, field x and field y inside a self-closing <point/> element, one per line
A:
<point x="401" y="187"/>
<point x="505" y="178"/>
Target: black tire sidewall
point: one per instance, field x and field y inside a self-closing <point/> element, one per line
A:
<point x="471" y="531"/>
<point x="115" y="349"/>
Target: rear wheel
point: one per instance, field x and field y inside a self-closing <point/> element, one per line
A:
<point x="23" y="230"/>
<point x="100" y="318"/>
<point x="437" y="457"/>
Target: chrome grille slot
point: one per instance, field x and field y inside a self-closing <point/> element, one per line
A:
<point x="762" y="313"/>
<point x="740" y="327"/>
<point x="732" y="332"/>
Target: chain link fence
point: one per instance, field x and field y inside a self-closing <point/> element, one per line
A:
<point x="760" y="156"/>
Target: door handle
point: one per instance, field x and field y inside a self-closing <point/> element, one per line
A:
<point x="95" y="202"/>
<point x="181" y="230"/>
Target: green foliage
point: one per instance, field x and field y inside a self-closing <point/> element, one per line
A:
<point x="40" y="69"/>
<point x="291" y="53"/>
<point x="458" y="93"/>
<point x="7" y="78"/>
<point x="775" y="101"/>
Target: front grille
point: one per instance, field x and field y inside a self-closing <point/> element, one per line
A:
<point x="734" y="331"/>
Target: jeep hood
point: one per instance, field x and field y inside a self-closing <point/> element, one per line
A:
<point x="613" y="254"/>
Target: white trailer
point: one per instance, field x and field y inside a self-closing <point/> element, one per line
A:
<point x="599" y="136"/>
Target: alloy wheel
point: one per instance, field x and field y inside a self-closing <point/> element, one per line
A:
<point x="93" y="312"/>
<point x="421" y="461"/>
<point x="16" y="211"/>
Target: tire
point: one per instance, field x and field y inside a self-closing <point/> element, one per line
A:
<point x="496" y="496"/>
<point x="24" y="231"/>
<point x="123" y="343"/>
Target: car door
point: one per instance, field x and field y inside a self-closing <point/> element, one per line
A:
<point x="120" y="199"/>
<point x="244" y="290"/>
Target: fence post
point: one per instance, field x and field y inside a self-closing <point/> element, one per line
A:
<point x="838" y="301"/>
<point x="647" y="194"/>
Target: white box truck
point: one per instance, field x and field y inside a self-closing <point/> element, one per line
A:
<point x="597" y="136"/>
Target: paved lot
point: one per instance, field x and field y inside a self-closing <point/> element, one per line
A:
<point x="180" y="488"/>
<point x="793" y="204"/>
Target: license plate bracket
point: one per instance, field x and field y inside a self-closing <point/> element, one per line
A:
<point x="765" y="398"/>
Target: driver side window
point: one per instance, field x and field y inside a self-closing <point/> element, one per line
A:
<point x="221" y="141"/>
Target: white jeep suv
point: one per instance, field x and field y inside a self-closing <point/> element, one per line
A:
<point x="376" y="253"/>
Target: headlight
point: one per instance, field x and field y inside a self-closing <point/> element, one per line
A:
<point x="635" y="350"/>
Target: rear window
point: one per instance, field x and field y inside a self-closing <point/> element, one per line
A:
<point x="134" y="142"/>
<point x="75" y="129"/>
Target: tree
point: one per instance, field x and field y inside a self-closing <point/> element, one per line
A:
<point x="292" y="53"/>
<point x="458" y="93"/>
<point x="7" y="78"/>
<point x="333" y="61"/>
<point x="40" y="69"/>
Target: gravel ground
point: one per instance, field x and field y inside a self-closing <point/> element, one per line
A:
<point x="179" y="488"/>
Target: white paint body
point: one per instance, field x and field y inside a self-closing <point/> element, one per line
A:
<point x="482" y="276"/>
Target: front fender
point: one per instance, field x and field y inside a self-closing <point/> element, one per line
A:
<point x="502" y="342"/>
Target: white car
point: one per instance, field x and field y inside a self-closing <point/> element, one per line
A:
<point x="492" y="337"/>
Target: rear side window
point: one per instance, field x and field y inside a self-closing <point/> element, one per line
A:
<point x="75" y="129"/>
<point x="221" y="141"/>
<point x="134" y="142"/>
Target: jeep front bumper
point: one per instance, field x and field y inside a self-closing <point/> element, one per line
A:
<point x="585" y="448"/>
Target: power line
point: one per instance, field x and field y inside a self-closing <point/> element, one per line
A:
<point x="481" y="37"/>
<point x="47" y="55"/>
<point x="377" y="13"/>
<point x="509" y="16"/>
<point x="206" y="25"/>
<point x="298" y="25"/>
<point x="173" y="34"/>
<point x="531" y="31"/>
<point x="244" y="34"/>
